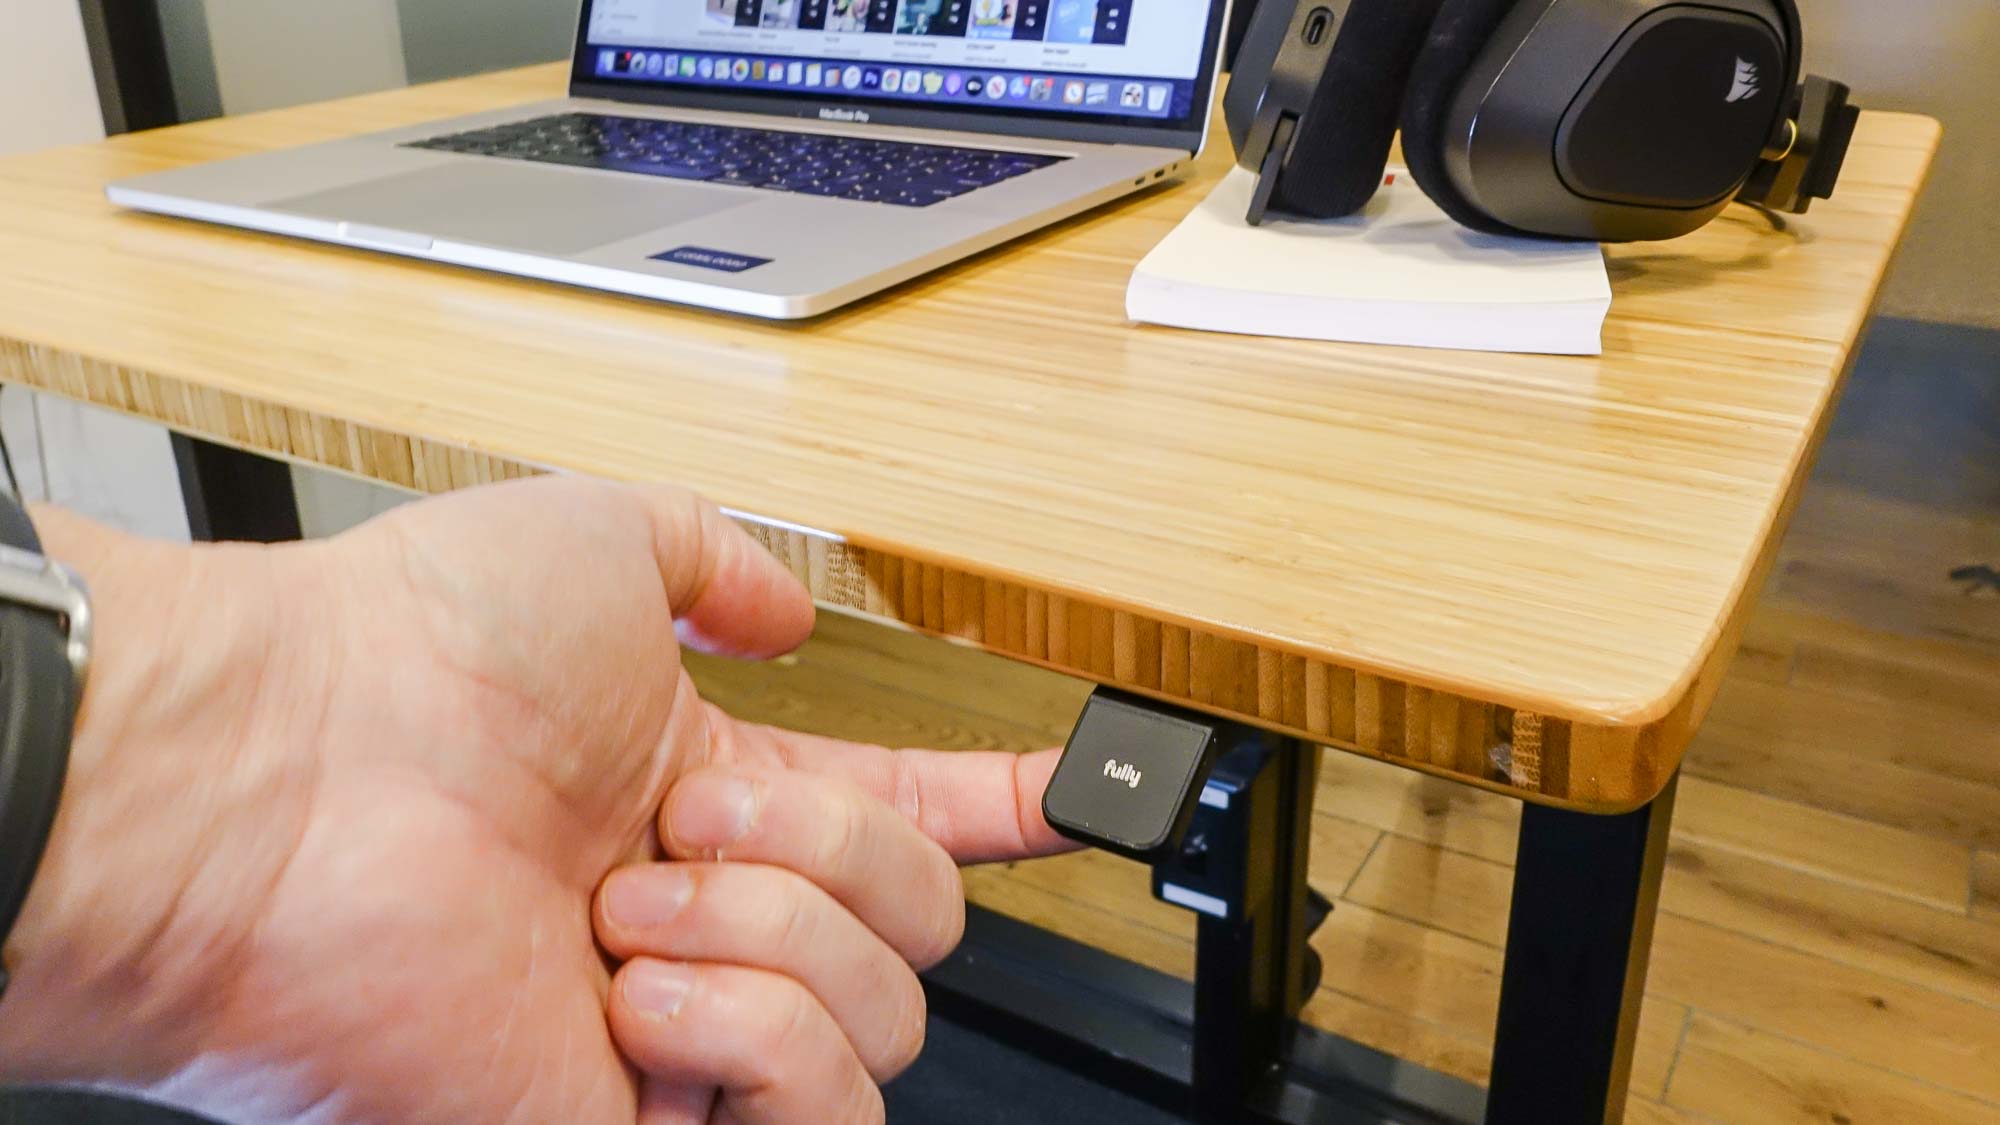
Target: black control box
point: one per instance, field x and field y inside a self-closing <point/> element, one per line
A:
<point x="1131" y="775"/>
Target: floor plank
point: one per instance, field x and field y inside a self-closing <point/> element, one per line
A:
<point x="1891" y="860"/>
<point x="1955" y="681"/>
<point x="1986" y="885"/>
<point x="1418" y="806"/>
<point x="1900" y="686"/>
<point x="1644" y="1111"/>
<point x="1098" y="882"/>
<point x="1767" y="648"/>
<point x="1713" y="969"/>
<point x="1840" y="1009"/>
<point x="1662" y="1023"/>
<point x="1451" y="891"/>
<point x="1734" y="1073"/>
<point x="1780" y="628"/>
<point x="1830" y="778"/>
<point x="1886" y="563"/>
<point x="1396" y="1033"/>
<point x="1940" y="949"/>
<point x="1943" y="726"/>
<point x="1339" y="848"/>
<point x="809" y="693"/>
<point x="1403" y="966"/>
<point x="1019" y="694"/>
<point x="999" y="890"/>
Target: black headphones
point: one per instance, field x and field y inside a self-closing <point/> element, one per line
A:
<point x="1612" y="120"/>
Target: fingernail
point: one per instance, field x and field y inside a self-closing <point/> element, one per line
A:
<point x="649" y="897"/>
<point x="655" y="988"/>
<point x="713" y="811"/>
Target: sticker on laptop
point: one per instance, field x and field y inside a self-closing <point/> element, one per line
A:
<point x="704" y="258"/>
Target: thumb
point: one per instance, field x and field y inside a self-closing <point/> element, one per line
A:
<point x="728" y="595"/>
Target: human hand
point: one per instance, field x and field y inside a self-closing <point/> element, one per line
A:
<point x="336" y="813"/>
<point x="775" y="959"/>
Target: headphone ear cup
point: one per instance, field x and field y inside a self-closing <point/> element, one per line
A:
<point x="1343" y="135"/>
<point x="1457" y="36"/>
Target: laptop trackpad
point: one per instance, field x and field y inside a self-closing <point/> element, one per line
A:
<point x="517" y="206"/>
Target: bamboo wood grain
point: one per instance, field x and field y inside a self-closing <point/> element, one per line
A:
<point x="1397" y="536"/>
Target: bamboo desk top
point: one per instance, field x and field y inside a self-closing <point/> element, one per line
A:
<point x="1519" y="571"/>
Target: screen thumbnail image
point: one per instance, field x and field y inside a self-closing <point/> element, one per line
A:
<point x="720" y="11"/>
<point x="847" y="15"/>
<point x="1072" y="21"/>
<point x="914" y="17"/>
<point x="992" y="19"/>
<point x="779" y="13"/>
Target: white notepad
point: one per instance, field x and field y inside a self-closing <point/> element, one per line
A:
<point x="1401" y="272"/>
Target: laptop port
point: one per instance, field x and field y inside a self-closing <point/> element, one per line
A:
<point x="1316" y="26"/>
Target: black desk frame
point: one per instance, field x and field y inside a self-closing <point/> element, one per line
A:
<point x="1229" y="1048"/>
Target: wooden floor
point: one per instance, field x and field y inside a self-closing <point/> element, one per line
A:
<point x="1828" y="948"/>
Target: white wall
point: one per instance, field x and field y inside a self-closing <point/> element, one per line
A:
<point x="47" y="95"/>
<point x="447" y="38"/>
<point x="273" y="53"/>
<point x="98" y="463"/>
<point x="1936" y="57"/>
<point x="107" y="466"/>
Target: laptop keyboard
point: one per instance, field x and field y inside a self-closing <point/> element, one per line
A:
<point x="876" y="171"/>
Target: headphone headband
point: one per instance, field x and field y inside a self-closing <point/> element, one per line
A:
<point x="1613" y="120"/>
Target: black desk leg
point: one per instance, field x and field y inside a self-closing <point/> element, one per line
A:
<point x="234" y="496"/>
<point x="1585" y="892"/>
<point x="1253" y="970"/>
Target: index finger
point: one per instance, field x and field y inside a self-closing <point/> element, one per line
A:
<point x="979" y="805"/>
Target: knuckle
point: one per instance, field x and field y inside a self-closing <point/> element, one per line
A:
<point x="945" y="922"/>
<point x="843" y="833"/>
<point x="793" y="919"/>
<point x="793" y="1021"/>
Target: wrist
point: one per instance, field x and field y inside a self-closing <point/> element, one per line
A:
<point x="147" y="892"/>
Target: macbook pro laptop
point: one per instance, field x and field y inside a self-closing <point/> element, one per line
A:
<point x="772" y="157"/>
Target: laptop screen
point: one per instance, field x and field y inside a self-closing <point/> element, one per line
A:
<point x="1131" y="62"/>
